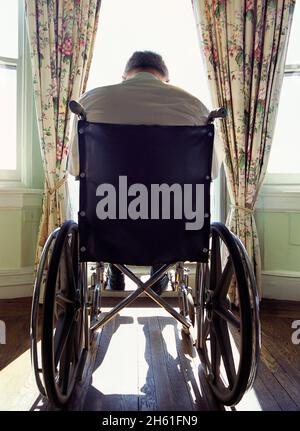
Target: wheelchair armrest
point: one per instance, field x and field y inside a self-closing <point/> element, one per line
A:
<point x="216" y="113"/>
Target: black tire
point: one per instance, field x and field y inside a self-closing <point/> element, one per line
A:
<point x="36" y="308"/>
<point x="254" y="300"/>
<point x="221" y="330"/>
<point x="63" y="334"/>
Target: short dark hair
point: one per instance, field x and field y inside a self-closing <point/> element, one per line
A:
<point x="147" y="60"/>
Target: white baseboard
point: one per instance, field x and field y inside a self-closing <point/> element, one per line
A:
<point x="16" y="283"/>
<point x="281" y="285"/>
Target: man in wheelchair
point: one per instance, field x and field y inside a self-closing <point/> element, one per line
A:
<point x="130" y="153"/>
<point x="145" y="98"/>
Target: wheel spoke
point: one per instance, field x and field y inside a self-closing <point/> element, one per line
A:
<point x="62" y="300"/>
<point x="226" y="350"/>
<point x="215" y="261"/>
<point x="62" y="333"/>
<point x="225" y="280"/>
<point x="75" y="347"/>
<point x="56" y="311"/>
<point x="69" y="266"/>
<point x="75" y="263"/>
<point x="75" y="344"/>
<point x="206" y="328"/>
<point x="228" y="316"/>
<point x="215" y="354"/>
<point x="64" y="372"/>
<point x="72" y="279"/>
<point x="69" y="359"/>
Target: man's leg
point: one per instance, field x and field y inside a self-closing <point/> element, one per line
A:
<point x="161" y="284"/>
<point x="115" y="278"/>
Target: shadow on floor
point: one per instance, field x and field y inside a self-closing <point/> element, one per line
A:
<point x="172" y="381"/>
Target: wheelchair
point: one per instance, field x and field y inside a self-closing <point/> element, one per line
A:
<point x="112" y="229"/>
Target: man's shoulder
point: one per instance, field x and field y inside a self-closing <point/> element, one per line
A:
<point x="99" y="91"/>
<point x="109" y="93"/>
<point x="186" y="95"/>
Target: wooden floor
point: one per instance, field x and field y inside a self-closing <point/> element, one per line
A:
<point x="141" y="361"/>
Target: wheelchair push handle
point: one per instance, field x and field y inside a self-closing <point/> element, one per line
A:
<point x="77" y="109"/>
<point x="216" y="113"/>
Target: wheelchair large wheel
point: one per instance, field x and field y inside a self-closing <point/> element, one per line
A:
<point x="254" y="298"/>
<point x="63" y="320"/>
<point x="35" y="327"/>
<point x="225" y="332"/>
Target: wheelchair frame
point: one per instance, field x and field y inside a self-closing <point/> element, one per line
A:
<point x="209" y="310"/>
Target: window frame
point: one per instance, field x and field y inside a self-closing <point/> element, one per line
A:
<point x="21" y="176"/>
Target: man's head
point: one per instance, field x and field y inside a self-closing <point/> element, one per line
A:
<point x="146" y="61"/>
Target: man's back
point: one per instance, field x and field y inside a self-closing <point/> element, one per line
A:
<point x="142" y="99"/>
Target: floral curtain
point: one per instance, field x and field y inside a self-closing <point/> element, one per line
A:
<point x="244" y="45"/>
<point x="61" y="35"/>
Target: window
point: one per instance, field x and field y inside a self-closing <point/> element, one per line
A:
<point x="285" y="152"/>
<point x="11" y="36"/>
<point x="167" y="27"/>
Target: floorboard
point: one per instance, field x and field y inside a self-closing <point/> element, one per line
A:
<point x="141" y="360"/>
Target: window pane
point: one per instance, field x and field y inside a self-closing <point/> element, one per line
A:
<point x="285" y="152"/>
<point x="8" y="115"/>
<point x="9" y="29"/>
<point x="293" y="54"/>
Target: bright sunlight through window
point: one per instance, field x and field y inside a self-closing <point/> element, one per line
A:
<point x="165" y="26"/>
<point x="285" y="152"/>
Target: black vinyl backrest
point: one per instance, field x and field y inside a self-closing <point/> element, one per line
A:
<point x="160" y="160"/>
